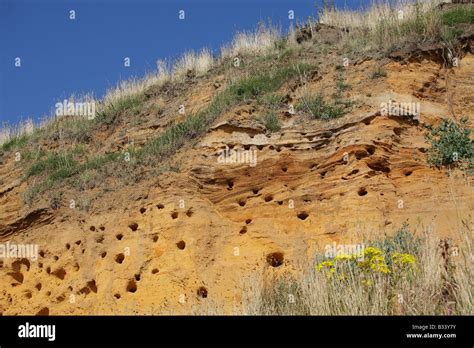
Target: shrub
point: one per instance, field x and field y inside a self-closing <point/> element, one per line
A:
<point x="450" y="144"/>
<point x="403" y="241"/>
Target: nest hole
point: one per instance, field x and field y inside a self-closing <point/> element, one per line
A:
<point x="275" y="259"/>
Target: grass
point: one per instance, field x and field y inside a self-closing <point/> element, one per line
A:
<point x="248" y="88"/>
<point x="15" y="142"/>
<point x="459" y="15"/>
<point x="318" y="108"/>
<point x="282" y="295"/>
<point x="271" y="121"/>
<point x="128" y="103"/>
<point x="341" y="87"/>
<point x="197" y="63"/>
<point x="58" y="167"/>
<point x="399" y="275"/>
<point x="257" y="43"/>
<point x="265" y="82"/>
<point x="59" y="163"/>
<point x="271" y="100"/>
<point x="378" y="73"/>
<point x="386" y="26"/>
<point x="17" y="136"/>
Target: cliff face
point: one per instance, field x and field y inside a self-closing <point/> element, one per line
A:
<point x="188" y="240"/>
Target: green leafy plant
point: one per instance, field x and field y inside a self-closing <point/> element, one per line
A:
<point x="450" y="144"/>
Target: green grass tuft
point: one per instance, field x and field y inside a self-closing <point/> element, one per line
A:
<point x="271" y="121"/>
<point x="318" y="108"/>
<point x="129" y="103"/>
<point x="378" y="73"/>
<point x="458" y="15"/>
<point x="15" y="142"/>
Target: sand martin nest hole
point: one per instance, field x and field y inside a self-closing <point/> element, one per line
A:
<point x="202" y="292"/>
<point x="119" y="258"/>
<point x="132" y="286"/>
<point x="275" y="259"/>
<point x="302" y="215"/>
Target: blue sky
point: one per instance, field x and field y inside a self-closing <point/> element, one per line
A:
<point x="60" y="57"/>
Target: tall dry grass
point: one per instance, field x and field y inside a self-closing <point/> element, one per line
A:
<point x="393" y="12"/>
<point x="440" y="284"/>
<point x="11" y="132"/>
<point x="386" y="25"/>
<point x="197" y="63"/>
<point x="259" y="42"/>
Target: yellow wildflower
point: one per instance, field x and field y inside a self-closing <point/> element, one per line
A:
<point x="326" y="264"/>
<point x="371" y="252"/>
<point x="367" y="282"/>
<point x="403" y="259"/>
<point x="374" y="261"/>
<point x="343" y="257"/>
